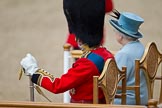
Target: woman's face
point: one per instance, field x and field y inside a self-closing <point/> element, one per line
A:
<point x="118" y="36"/>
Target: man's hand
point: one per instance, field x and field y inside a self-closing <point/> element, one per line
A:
<point x="29" y="63"/>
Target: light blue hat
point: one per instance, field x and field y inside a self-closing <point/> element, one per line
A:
<point x="128" y="23"/>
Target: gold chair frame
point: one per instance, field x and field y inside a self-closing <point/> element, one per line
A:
<point x="149" y="64"/>
<point x="108" y="82"/>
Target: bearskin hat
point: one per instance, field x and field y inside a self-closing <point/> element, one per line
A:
<point x="85" y="19"/>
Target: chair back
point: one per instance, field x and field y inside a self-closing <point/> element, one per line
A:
<point x="149" y="64"/>
<point x="108" y="82"/>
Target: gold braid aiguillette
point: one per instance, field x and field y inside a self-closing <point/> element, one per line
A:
<point x="41" y="92"/>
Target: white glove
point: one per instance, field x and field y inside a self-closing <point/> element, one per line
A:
<point x="29" y="63"/>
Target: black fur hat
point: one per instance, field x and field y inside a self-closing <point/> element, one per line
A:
<point x="86" y="19"/>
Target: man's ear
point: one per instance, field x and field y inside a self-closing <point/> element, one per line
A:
<point x="79" y="41"/>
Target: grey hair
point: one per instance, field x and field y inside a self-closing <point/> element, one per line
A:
<point x="127" y="36"/>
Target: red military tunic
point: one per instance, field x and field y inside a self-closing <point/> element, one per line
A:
<point x="71" y="37"/>
<point x="78" y="79"/>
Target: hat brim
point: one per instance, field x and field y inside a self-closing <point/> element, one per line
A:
<point x="115" y="24"/>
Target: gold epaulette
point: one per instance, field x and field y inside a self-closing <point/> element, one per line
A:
<point x="84" y="55"/>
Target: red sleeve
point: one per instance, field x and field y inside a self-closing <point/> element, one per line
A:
<point x="82" y="71"/>
<point x="108" y="6"/>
